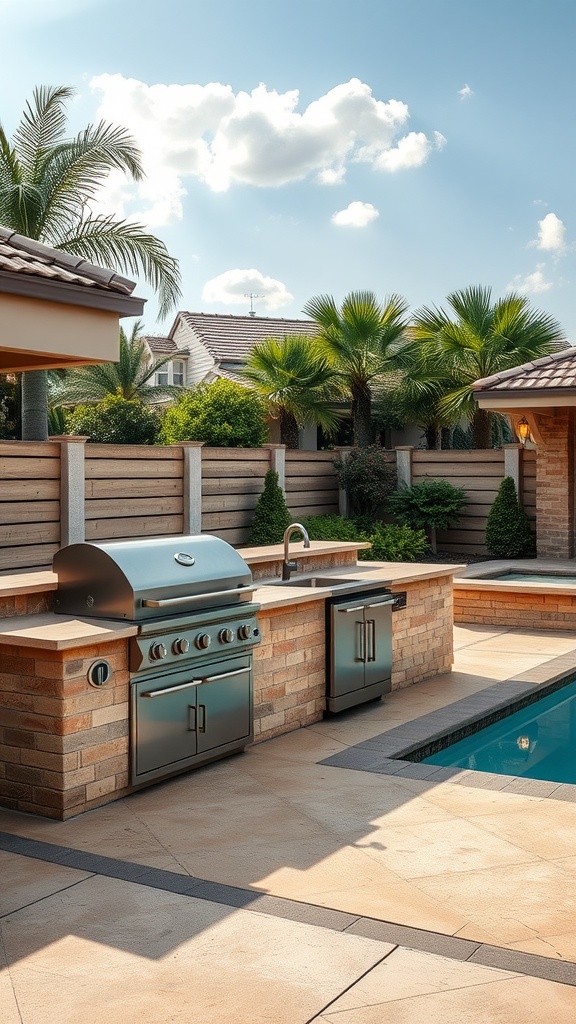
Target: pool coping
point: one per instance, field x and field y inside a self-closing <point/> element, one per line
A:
<point x="390" y="752"/>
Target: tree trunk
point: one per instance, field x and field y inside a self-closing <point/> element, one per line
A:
<point x="289" y="433"/>
<point x="361" y="416"/>
<point x="35" y="405"/>
<point x="482" y="429"/>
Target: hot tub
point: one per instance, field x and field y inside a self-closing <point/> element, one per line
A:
<point x="535" y="593"/>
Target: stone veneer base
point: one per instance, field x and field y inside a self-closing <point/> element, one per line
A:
<point x="512" y="608"/>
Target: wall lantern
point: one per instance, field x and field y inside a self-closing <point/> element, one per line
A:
<point x="523" y="430"/>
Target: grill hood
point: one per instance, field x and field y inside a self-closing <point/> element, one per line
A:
<point x="149" y="579"/>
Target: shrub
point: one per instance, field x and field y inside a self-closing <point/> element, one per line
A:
<point x="368" y="478"/>
<point x="222" y="414"/>
<point x="271" y="516"/>
<point x="508" y="533"/>
<point x="432" y="504"/>
<point x="393" y="543"/>
<point x="389" y="543"/>
<point x="115" y="420"/>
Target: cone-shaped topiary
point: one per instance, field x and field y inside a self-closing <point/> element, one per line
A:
<point x="508" y="533"/>
<point x="271" y="515"/>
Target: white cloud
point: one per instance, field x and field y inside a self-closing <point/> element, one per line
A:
<point x="356" y="215"/>
<point x="551" y="232"/>
<point x="223" y="138"/>
<point x="232" y="287"/>
<point x="465" y="92"/>
<point x="531" y="283"/>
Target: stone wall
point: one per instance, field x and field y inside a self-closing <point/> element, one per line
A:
<point x="422" y="632"/>
<point x="512" y="608"/>
<point x="63" y="743"/>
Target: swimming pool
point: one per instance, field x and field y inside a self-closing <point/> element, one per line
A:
<point x="537" y="742"/>
<point x="534" y="577"/>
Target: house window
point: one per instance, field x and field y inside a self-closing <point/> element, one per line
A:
<point x="178" y="374"/>
<point x="162" y="376"/>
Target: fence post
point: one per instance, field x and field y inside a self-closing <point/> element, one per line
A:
<point x="192" y="486"/>
<point x="513" y="465"/>
<point x="278" y="462"/>
<point x="343" y="502"/>
<point x="72" y="488"/>
<point x="404" y="464"/>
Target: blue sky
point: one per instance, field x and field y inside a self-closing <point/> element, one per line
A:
<point x="296" y="148"/>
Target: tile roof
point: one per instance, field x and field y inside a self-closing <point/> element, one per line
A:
<point x="24" y="256"/>
<point x="550" y="373"/>
<point x="232" y="337"/>
<point x="160" y="346"/>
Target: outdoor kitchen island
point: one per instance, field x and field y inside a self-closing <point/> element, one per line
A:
<point x="65" y="744"/>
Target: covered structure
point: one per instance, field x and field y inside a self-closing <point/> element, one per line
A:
<point x="542" y="395"/>
<point x="57" y="310"/>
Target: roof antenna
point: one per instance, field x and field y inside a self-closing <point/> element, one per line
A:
<point x="252" y="296"/>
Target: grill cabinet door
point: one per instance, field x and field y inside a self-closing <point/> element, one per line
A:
<point x="378" y="626"/>
<point x="348" y="641"/>
<point x="166" y="723"/>
<point x="223" y="708"/>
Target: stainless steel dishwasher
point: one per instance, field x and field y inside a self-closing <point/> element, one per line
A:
<point x="359" y="648"/>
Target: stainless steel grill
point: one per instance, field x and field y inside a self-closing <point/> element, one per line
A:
<point x="191" y="661"/>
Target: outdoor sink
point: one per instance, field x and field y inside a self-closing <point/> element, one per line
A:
<point x="317" y="581"/>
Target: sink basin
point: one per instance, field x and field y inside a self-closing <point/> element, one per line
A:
<point x="317" y="581"/>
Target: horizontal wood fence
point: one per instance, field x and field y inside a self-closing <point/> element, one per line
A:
<point x="64" y="490"/>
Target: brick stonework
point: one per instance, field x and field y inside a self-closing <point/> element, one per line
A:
<point x="63" y="743"/>
<point x="506" y="608"/>
<point x="289" y="677"/>
<point x="267" y="570"/>
<point x="555" y="485"/>
<point x="422" y="632"/>
<point x="26" y="604"/>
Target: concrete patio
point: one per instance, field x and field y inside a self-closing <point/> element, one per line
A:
<point x="272" y="888"/>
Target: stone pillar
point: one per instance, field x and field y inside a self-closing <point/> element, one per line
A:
<point x="555" y="485"/>
<point x="404" y="464"/>
<point x="192" y="489"/>
<point x="278" y="462"/>
<point x="72" y="488"/>
<point x="513" y="466"/>
<point x="343" y="503"/>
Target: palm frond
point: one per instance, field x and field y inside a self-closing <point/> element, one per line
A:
<point x="42" y="125"/>
<point x="127" y="246"/>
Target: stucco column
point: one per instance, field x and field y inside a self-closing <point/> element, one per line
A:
<point x="404" y="464"/>
<point x="343" y="503"/>
<point x="555" y="485"/>
<point x="278" y="462"/>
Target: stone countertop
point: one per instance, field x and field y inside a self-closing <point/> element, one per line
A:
<point x="393" y="574"/>
<point x="61" y="632"/>
<point x="275" y="552"/>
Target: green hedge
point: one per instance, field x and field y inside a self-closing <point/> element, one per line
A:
<point x="388" y="542"/>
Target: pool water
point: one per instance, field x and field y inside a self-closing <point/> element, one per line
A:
<point x="533" y="577"/>
<point x="538" y="742"/>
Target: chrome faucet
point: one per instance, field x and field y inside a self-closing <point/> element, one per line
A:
<point x="287" y="565"/>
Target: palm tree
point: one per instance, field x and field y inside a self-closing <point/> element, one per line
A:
<point x="477" y="339"/>
<point x="361" y="337"/>
<point x="129" y="377"/>
<point x="47" y="183"/>
<point x="298" y="381"/>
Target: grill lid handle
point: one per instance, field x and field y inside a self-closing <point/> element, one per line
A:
<point x="173" y="602"/>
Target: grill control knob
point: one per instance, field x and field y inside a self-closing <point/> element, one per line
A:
<point x="157" y="652"/>
<point x="244" y="632"/>
<point x="226" y="636"/>
<point x="181" y="646"/>
<point x="202" y="641"/>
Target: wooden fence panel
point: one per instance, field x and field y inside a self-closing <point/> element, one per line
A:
<point x="232" y="481"/>
<point x="29" y="504"/>
<point x="133" y="491"/>
<point x="311" y="483"/>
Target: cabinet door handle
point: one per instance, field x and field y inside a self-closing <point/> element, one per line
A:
<point x="371" y="631"/>
<point x="360" y="641"/>
<point x="223" y="675"/>
<point x="356" y="608"/>
<point x="201" y="718"/>
<point x="171" y="689"/>
<point x="381" y="604"/>
<point x="191" y="718"/>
